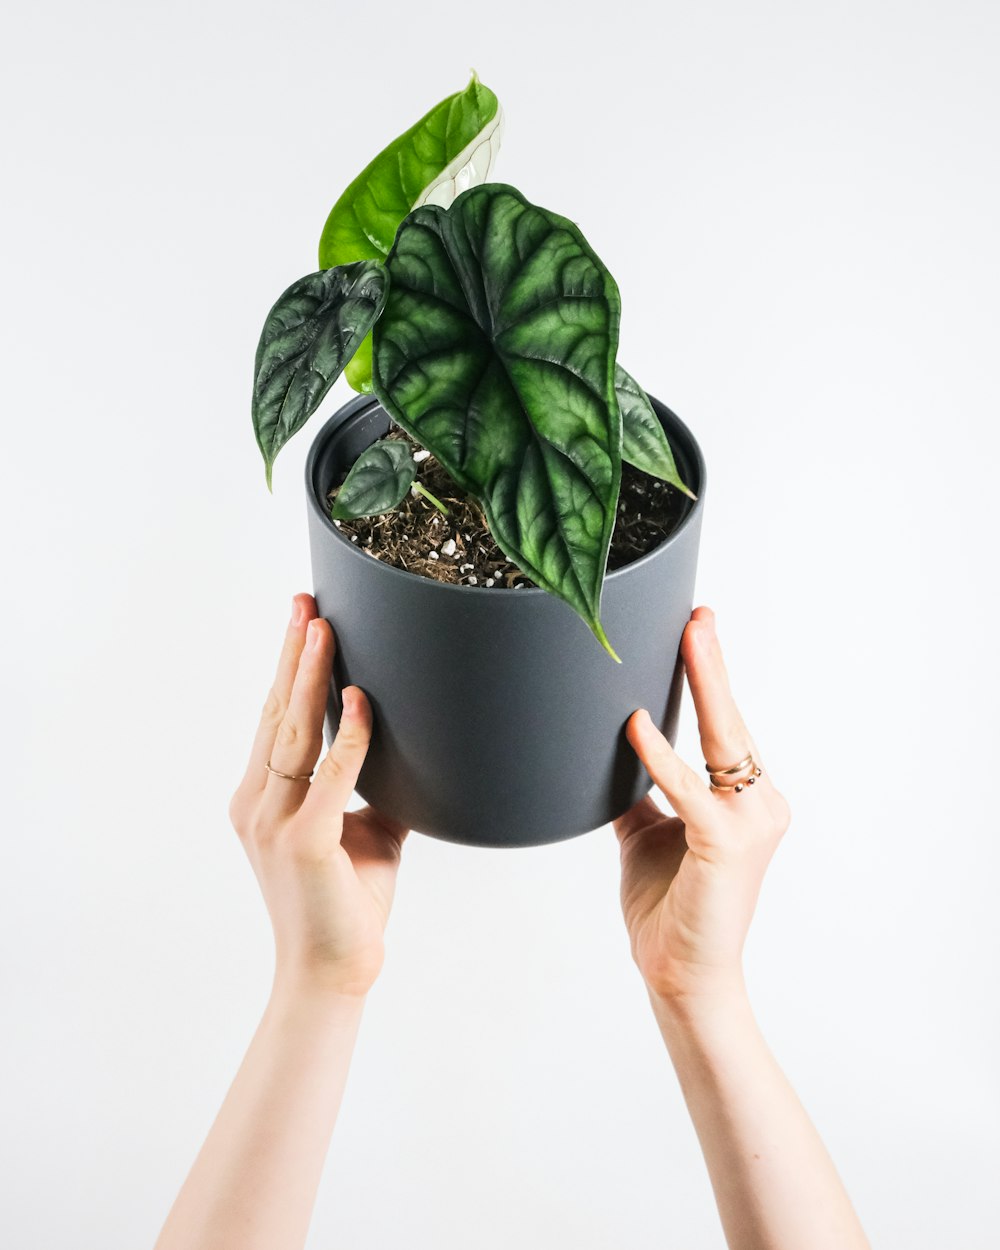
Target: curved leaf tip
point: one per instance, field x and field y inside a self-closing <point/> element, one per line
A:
<point x="496" y="352"/>
<point x="644" y="442"/>
<point x="602" y="638"/>
<point x="311" y="332"/>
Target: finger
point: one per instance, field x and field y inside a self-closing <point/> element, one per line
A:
<point x="299" y="738"/>
<point x="370" y="837"/>
<point x="303" y="611"/>
<point x="387" y="825"/>
<point x="644" y="814"/>
<point x="338" y="770"/>
<point x="725" y="739"/>
<point x="684" y="790"/>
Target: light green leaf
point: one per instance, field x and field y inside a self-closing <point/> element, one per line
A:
<point x="308" y="337"/>
<point x="644" y="444"/>
<point x="378" y="480"/>
<point x="450" y="149"/>
<point x="496" y="352"/>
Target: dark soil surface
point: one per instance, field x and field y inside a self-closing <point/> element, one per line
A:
<point x="459" y="548"/>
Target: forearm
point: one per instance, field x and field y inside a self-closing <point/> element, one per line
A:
<point x="775" y="1185"/>
<point x="253" y="1184"/>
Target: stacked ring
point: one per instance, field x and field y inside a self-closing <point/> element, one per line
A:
<point x="749" y="780"/>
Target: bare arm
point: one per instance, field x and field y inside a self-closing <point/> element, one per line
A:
<point x="255" y="1179"/>
<point x="689" y="887"/>
<point x="328" y="880"/>
<point x="775" y="1185"/>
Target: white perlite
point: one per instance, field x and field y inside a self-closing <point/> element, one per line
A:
<point x="448" y="548"/>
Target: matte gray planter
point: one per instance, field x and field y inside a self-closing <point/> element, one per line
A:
<point x="498" y="718"/>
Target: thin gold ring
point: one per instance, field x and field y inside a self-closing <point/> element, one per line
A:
<point x="722" y="772"/>
<point x="287" y="776"/>
<point x="737" y="786"/>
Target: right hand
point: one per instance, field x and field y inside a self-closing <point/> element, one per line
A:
<point x="690" y="882"/>
<point x="327" y="876"/>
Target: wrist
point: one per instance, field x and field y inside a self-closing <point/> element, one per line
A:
<point x="704" y="1002"/>
<point x="298" y="989"/>
<point x="306" y="972"/>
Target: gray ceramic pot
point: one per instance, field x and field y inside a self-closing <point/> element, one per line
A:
<point x="498" y="718"/>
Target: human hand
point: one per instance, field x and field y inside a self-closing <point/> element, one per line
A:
<point x="327" y="875"/>
<point x="690" y="882"/>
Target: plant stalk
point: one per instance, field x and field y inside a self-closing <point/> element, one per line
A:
<point x="432" y="498"/>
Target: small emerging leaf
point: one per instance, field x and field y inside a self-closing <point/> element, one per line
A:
<point x="644" y="444"/>
<point x="448" y="150"/>
<point x="497" y="354"/>
<point x="309" y="335"/>
<point x="377" y="482"/>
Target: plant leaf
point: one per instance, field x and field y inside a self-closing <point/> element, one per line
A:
<point x="644" y="443"/>
<point x="308" y="337"/>
<point x="497" y="354"/>
<point x="378" y="480"/>
<point x="449" y="149"/>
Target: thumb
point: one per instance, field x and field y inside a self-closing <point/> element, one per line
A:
<point x="338" y="770"/>
<point x="687" y="794"/>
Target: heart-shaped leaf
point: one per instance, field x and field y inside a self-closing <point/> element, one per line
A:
<point x="448" y="150"/>
<point x="378" y="480"/>
<point x="497" y="353"/>
<point x="644" y="444"/>
<point x="309" y="335"/>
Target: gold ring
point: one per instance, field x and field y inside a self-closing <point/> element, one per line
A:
<point x="287" y="776"/>
<point x="737" y="786"/>
<point x="722" y="772"/>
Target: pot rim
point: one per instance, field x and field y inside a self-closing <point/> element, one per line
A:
<point x="357" y="405"/>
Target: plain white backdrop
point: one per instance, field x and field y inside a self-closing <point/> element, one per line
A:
<point x="799" y="203"/>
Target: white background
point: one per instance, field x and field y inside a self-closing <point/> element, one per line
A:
<point x="800" y="205"/>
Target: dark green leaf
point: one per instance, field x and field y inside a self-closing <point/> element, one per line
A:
<point x="308" y="337"/>
<point x="450" y="148"/>
<point x="644" y="444"/>
<point x="378" y="480"/>
<point x="497" y="353"/>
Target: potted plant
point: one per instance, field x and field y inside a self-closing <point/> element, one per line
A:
<point x="504" y="526"/>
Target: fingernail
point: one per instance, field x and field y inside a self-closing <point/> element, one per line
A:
<point x="349" y="697"/>
<point x="314" y="633"/>
<point x="298" y="611"/>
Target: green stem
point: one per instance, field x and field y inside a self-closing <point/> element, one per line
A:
<point x="433" y="498"/>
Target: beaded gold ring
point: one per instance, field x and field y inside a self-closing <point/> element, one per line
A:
<point x="737" y="786"/>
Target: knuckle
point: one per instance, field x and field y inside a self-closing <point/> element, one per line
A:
<point x="273" y="709"/>
<point x="288" y="732"/>
<point x="781" y="814"/>
<point x="736" y="730"/>
<point x="728" y="742"/>
<point x="352" y="737"/>
<point x="332" y="767"/>
<point x="237" y="812"/>
<point x="687" y="783"/>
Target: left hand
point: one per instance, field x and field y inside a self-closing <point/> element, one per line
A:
<point x="327" y="876"/>
<point x="690" y="882"/>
